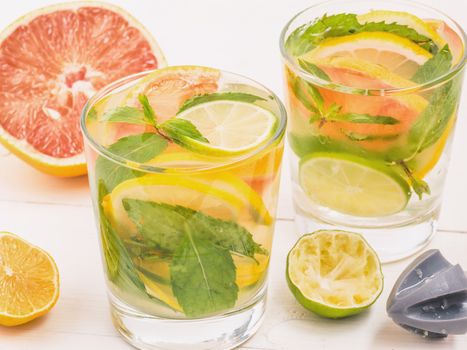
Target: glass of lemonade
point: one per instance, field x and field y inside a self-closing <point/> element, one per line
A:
<point x="184" y="166"/>
<point x="373" y="89"/>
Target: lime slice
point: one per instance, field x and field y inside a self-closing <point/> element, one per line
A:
<point x="403" y="18"/>
<point x="353" y="185"/>
<point x="224" y="197"/>
<point x="232" y="127"/>
<point x="398" y="54"/>
<point x="334" y="273"/>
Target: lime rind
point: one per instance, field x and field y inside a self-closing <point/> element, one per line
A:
<point x="326" y="309"/>
<point x="353" y="185"/>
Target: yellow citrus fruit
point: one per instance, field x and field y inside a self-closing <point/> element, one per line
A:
<point x="29" y="281"/>
<point x="403" y="18"/>
<point x="219" y="195"/>
<point x="400" y="55"/>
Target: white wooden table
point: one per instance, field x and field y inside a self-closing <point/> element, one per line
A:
<point x="56" y="214"/>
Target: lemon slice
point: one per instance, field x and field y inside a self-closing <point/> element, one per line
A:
<point x="29" y="281"/>
<point x="221" y="196"/>
<point x="400" y="55"/>
<point x="403" y="18"/>
<point x="249" y="271"/>
<point x="334" y="273"/>
<point x="155" y="274"/>
<point x="231" y="127"/>
<point x="353" y="185"/>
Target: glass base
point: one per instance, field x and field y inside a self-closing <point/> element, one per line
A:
<point x="391" y="242"/>
<point x="224" y="332"/>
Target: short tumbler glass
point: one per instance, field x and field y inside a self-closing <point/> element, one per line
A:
<point x="411" y="152"/>
<point x="159" y="298"/>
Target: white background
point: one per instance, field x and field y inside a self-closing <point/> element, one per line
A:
<point x="239" y="36"/>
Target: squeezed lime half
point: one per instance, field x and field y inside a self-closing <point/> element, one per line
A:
<point x="334" y="274"/>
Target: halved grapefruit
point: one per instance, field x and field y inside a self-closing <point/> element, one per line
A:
<point x="51" y="61"/>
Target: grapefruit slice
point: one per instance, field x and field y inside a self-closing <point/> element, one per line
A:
<point x="361" y="74"/>
<point x="167" y="89"/>
<point x="51" y="61"/>
<point x="456" y="45"/>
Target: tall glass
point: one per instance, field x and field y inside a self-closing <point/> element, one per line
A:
<point x="369" y="144"/>
<point x="185" y="237"/>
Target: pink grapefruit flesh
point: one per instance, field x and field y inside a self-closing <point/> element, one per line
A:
<point x="51" y="61"/>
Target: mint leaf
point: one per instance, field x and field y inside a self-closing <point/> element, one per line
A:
<point x="432" y="122"/>
<point x="149" y="114"/>
<point x="220" y="96"/>
<point x="299" y="87"/>
<point x="354" y="136"/>
<point x="308" y="36"/>
<point x="118" y="263"/>
<point x="364" y="118"/>
<point x="163" y="225"/>
<point x="313" y="69"/>
<point x="92" y="114"/>
<point x="401" y="30"/>
<point x="126" y="114"/>
<point x="158" y="223"/>
<point x="202" y="275"/>
<point x="179" y="129"/>
<point x="419" y="186"/>
<point x="435" y="67"/>
<point x="138" y="148"/>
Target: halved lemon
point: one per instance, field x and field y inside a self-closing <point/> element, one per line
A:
<point x="231" y="127"/>
<point x="334" y="274"/>
<point x="353" y="185"/>
<point x="403" y="18"/>
<point x="400" y="55"/>
<point x="222" y="196"/>
<point x="29" y="281"/>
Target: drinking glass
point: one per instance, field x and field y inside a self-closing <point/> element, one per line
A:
<point x="185" y="237"/>
<point x="367" y="158"/>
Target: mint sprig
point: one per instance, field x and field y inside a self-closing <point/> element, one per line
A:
<point x="311" y="98"/>
<point x="173" y="130"/>
<point x="162" y="226"/>
<point x="202" y="269"/>
<point x="308" y="36"/>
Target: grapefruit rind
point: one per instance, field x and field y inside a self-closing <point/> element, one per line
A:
<point x="76" y="165"/>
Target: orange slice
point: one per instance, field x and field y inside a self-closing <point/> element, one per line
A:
<point x="29" y="281"/>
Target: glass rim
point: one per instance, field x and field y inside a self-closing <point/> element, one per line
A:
<point x="371" y="91"/>
<point x="231" y="162"/>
